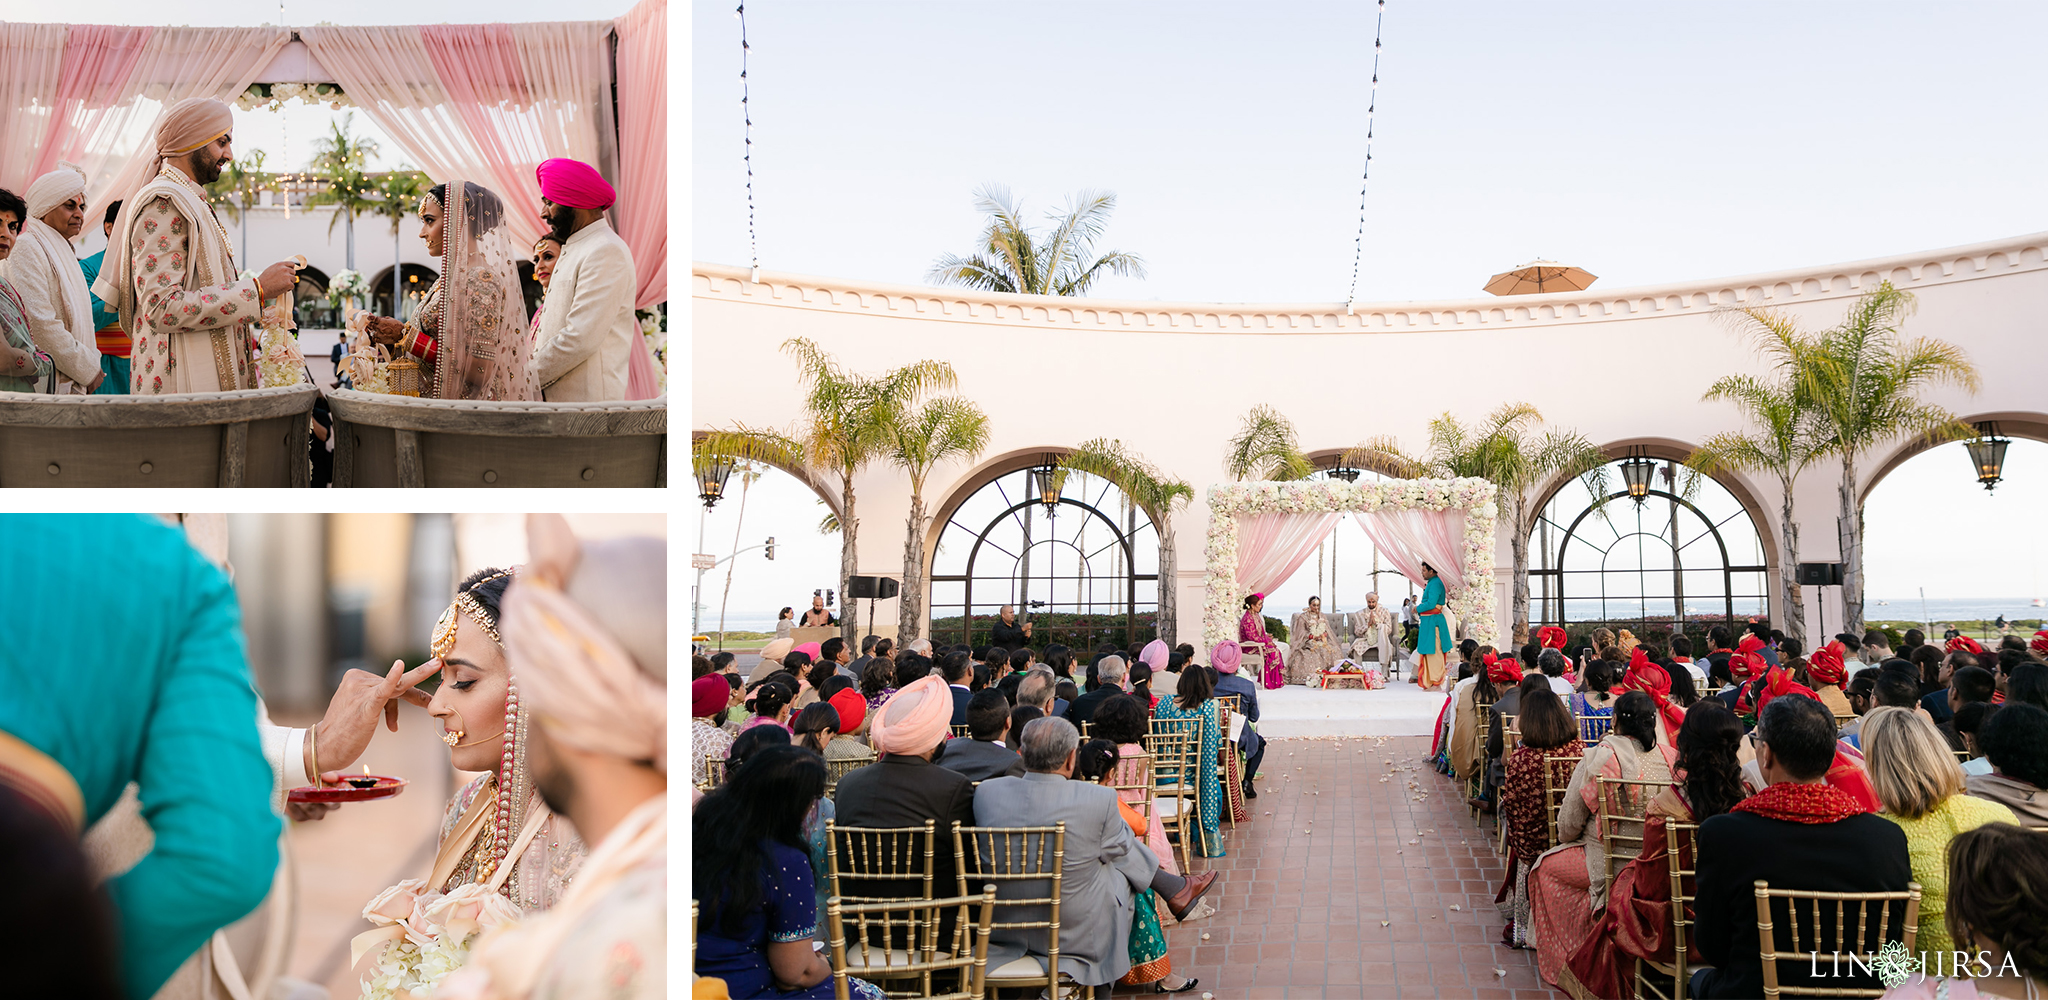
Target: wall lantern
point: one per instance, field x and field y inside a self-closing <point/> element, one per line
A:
<point x="1987" y="453"/>
<point x="1045" y="478"/>
<point x="711" y="479"/>
<point x="1636" y="471"/>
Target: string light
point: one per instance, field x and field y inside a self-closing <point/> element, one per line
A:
<point x="1372" y="104"/>
<point x="747" y="112"/>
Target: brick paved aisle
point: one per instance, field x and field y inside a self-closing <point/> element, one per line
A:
<point x="1352" y="887"/>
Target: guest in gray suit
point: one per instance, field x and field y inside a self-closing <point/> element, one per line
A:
<point x="985" y="756"/>
<point x="1104" y="865"/>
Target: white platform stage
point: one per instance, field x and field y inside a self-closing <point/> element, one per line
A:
<point x="1399" y="709"/>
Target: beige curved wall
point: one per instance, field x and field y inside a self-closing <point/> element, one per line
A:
<point x="1172" y="380"/>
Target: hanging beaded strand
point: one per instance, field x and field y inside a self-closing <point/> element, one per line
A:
<point x="495" y="842"/>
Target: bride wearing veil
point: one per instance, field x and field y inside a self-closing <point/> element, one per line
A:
<point x="503" y="853"/>
<point x="471" y="332"/>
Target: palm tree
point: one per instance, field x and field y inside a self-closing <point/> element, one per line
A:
<point x="1783" y="444"/>
<point x="852" y="419"/>
<point x="1863" y="378"/>
<point x="340" y="158"/>
<point x="242" y="178"/>
<point x="1013" y="259"/>
<point x="945" y="429"/>
<point x="1152" y="492"/>
<point x="1265" y="447"/>
<point x="399" y="193"/>
<point x="1506" y="450"/>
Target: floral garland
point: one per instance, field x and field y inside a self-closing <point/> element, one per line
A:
<point x="1472" y="604"/>
<point x="654" y="327"/>
<point x="274" y="95"/>
<point x="429" y="935"/>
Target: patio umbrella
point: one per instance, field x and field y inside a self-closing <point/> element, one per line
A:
<point x="1540" y="276"/>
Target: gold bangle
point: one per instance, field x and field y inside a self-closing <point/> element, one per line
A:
<point x="312" y="754"/>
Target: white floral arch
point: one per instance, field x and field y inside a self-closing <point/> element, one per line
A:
<point x="1472" y="604"/>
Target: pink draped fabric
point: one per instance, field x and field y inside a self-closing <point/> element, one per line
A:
<point x="487" y="102"/>
<point x="1270" y="547"/>
<point x="91" y="94"/>
<point x="1409" y="538"/>
<point x="642" y="67"/>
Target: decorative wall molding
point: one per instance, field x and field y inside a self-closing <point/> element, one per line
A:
<point x="1998" y="258"/>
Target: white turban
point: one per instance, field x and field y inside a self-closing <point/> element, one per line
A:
<point x="586" y="636"/>
<point x="55" y="188"/>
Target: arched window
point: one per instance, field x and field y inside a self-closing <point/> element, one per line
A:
<point x="1691" y="554"/>
<point x="1084" y="572"/>
<point x="309" y="302"/>
<point x="414" y="280"/>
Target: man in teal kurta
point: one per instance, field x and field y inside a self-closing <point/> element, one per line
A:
<point x="114" y="342"/>
<point x="1434" y="641"/>
<point x="152" y="689"/>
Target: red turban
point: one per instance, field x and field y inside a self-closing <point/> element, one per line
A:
<point x="709" y="695"/>
<point x="1965" y="643"/>
<point x="1502" y="669"/>
<point x="1846" y="773"/>
<point x="1779" y="682"/>
<point x="575" y="184"/>
<point x="1743" y="665"/>
<point x="852" y="709"/>
<point x="1828" y="665"/>
<point x="1749" y="644"/>
<point x="2040" y="642"/>
<point x="1655" y="681"/>
<point x="1551" y="637"/>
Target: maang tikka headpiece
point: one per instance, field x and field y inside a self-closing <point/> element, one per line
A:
<point x="445" y="628"/>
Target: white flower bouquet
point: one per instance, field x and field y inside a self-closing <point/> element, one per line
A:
<point x="424" y="936"/>
<point x="347" y="287"/>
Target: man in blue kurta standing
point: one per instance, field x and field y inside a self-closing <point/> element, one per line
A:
<point x="1434" y="641"/>
<point x="157" y="693"/>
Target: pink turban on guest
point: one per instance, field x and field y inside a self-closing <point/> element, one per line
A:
<point x="709" y="694"/>
<point x="1225" y="657"/>
<point x="815" y="650"/>
<point x="1155" y="654"/>
<point x="575" y="184"/>
<point x="586" y="633"/>
<point x="914" y="719"/>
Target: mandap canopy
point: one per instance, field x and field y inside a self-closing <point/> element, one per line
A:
<point x="1260" y="533"/>
<point x="480" y="101"/>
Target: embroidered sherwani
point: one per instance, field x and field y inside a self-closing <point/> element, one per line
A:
<point x="191" y="311"/>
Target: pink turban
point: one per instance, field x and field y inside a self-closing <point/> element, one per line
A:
<point x="575" y="184"/>
<point x="914" y="719"/>
<point x="585" y="633"/>
<point x="811" y="649"/>
<point x="708" y="695"/>
<point x="1155" y="654"/>
<point x="1225" y="657"/>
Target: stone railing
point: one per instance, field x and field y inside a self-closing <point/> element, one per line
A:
<point x="251" y="437"/>
<point x="406" y="442"/>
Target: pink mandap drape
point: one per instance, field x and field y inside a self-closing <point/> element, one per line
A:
<point x="1409" y="538"/>
<point x="1270" y="547"/>
<point x="92" y="93"/>
<point x="642" y="66"/>
<point x="487" y="102"/>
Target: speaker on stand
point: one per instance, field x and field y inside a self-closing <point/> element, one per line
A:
<point x="1818" y="575"/>
<point x="873" y="588"/>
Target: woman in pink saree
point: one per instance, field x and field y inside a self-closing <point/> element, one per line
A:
<point x="1252" y="628"/>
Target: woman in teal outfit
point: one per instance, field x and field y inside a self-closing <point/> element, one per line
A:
<point x="1192" y="701"/>
<point x="1435" y="638"/>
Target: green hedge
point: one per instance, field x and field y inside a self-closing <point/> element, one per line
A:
<point x="1077" y="631"/>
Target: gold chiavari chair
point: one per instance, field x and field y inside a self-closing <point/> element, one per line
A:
<point x="1031" y="862"/>
<point x="1134" y="783"/>
<point x="1963" y="757"/>
<point x="840" y="768"/>
<point x="1510" y="737"/>
<point x="1678" y="840"/>
<point x="1482" y="713"/>
<point x="879" y="865"/>
<point x="1809" y="935"/>
<point x="1843" y="719"/>
<point x="960" y="732"/>
<point x="714" y="773"/>
<point x="1230" y="763"/>
<point x="928" y="962"/>
<point x="1623" y="803"/>
<point x="1174" y="744"/>
<point x="1594" y="728"/>
<point x="1557" y="775"/>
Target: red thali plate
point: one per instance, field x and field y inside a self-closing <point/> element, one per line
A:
<point x="341" y="791"/>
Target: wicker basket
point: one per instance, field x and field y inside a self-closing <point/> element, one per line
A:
<point x="404" y="374"/>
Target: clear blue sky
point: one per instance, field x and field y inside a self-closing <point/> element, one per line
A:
<point x="1645" y="142"/>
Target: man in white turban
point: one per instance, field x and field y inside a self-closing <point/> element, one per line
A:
<point x="586" y="633"/>
<point x="173" y="280"/>
<point x="44" y="270"/>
